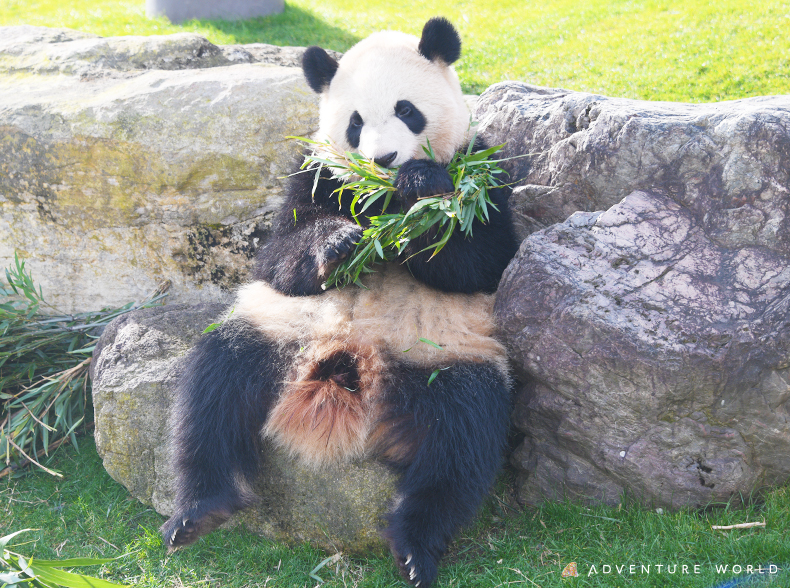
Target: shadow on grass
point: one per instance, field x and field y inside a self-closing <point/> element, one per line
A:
<point x="294" y="27"/>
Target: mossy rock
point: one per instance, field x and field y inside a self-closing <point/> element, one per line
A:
<point x="135" y="366"/>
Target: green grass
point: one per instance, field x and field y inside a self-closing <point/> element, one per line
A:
<point x="88" y="514"/>
<point x="656" y="50"/>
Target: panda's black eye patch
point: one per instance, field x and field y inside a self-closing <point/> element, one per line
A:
<point x="410" y="115"/>
<point x="354" y="129"/>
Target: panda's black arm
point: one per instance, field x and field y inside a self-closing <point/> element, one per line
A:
<point x="310" y="237"/>
<point x="465" y="264"/>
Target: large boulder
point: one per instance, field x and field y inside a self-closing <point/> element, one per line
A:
<point x="728" y="163"/>
<point x="652" y="337"/>
<point x="134" y="368"/>
<point x="129" y="160"/>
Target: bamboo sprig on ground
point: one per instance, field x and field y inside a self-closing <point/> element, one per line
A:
<point x="18" y="570"/>
<point x="44" y="360"/>
<point x="386" y="236"/>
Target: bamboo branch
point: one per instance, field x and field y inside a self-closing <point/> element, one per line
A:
<point x="738" y="526"/>
<point x="22" y="451"/>
<point x="52" y="446"/>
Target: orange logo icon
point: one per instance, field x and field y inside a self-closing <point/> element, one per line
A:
<point x="570" y="570"/>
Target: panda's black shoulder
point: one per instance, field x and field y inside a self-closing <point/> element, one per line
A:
<point x="306" y="191"/>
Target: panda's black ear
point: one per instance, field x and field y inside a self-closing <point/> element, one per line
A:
<point x="319" y="68"/>
<point x="440" y="40"/>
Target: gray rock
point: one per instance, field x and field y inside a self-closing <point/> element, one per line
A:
<point x="129" y="160"/>
<point x="656" y="358"/>
<point x="652" y="337"/>
<point x="136" y="363"/>
<point x="180" y="10"/>
<point x="40" y="50"/>
<point x="728" y="163"/>
<point x="271" y="54"/>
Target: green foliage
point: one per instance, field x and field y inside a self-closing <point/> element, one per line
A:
<point x="387" y="235"/>
<point x="694" y="51"/>
<point x="18" y="570"/>
<point x="214" y="326"/>
<point x="44" y="362"/>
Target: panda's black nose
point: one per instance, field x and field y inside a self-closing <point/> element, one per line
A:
<point x="386" y="160"/>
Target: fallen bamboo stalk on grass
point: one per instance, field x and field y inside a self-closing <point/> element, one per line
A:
<point x="738" y="526"/>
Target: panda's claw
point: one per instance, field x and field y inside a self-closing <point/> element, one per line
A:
<point x="185" y="528"/>
<point x="338" y="248"/>
<point x="418" y="567"/>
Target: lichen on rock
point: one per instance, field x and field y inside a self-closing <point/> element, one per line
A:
<point x="130" y="160"/>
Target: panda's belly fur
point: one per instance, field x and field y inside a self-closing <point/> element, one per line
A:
<point x="344" y="346"/>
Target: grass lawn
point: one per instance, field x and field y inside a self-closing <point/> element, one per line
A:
<point x="695" y="51"/>
<point x="88" y="514"/>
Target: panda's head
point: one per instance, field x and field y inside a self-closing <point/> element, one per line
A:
<point x="391" y="93"/>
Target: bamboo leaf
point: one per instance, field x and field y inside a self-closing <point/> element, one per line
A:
<point x="75" y="562"/>
<point x="69" y="579"/>
<point x="4" y="540"/>
<point x="10" y="578"/>
<point x="387" y="236"/>
<point x="44" y="360"/>
<point x="431" y="343"/>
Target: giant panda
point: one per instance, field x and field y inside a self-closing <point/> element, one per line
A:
<point x="345" y="373"/>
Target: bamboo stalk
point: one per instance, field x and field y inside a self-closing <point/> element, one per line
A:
<point x="738" y="526"/>
<point x="22" y="451"/>
<point x="52" y="446"/>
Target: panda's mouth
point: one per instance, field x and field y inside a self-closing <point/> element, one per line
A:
<point x="386" y="160"/>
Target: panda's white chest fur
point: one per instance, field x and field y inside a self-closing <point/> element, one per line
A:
<point x="394" y="313"/>
<point x="344" y="344"/>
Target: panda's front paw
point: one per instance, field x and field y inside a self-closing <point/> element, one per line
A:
<point x="337" y="248"/>
<point x="419" y="178"/>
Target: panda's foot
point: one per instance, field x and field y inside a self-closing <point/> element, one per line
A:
<point x="419" y="572"/>
<point x="416" y="565"/>
<point x="183" y="529"/>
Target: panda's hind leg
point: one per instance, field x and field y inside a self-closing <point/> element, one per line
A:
<point x="447" y="438"/>
<point x="227" y="387"/>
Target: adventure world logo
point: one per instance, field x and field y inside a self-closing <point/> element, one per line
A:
<point x="741" y="572"/>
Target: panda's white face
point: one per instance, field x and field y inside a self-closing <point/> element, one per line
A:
<point x="386" y="100"/>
